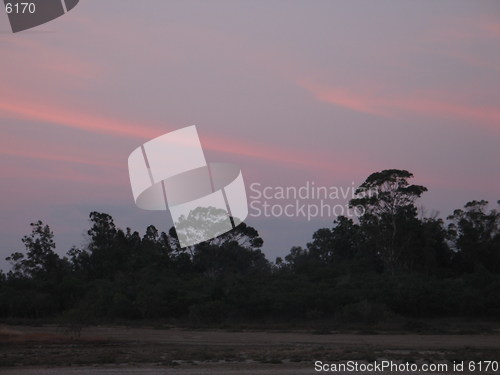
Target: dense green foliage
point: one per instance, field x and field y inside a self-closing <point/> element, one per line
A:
<point x="391" y="262"/>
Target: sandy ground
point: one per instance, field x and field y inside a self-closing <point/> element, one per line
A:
<point x="223" y="338"/>
<point x="156" y="371"/>
<point x="217" y="369"/>
<point x="51" y="350"/>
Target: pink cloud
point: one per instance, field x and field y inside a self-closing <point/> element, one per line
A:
<point x="49" y="60"/>
<point x="344" y="98"/>
<point x="422" y="104"/>
<point x="492" y="28"/>
<point x="66" y="117"/>
<point x="35" y="154"/>
<point x="486" y="117"/>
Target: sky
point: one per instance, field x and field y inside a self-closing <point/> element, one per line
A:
<point x="293" y="92"/>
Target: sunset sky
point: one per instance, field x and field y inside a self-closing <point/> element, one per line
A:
<point x="290" y="91"/>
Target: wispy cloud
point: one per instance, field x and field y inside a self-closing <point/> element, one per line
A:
<point x="66" y="117"/>
<point x="50" y="61"/>
<point x="14" y="150"/>
<point x="345" y="97"/>
<point x="420" y="104"/>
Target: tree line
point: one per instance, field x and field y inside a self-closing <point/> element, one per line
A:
<point x="391" y="262"/>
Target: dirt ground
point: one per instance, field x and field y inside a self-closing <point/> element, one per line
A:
<point x="220" y="369"/>
<point x="53" y="350"/>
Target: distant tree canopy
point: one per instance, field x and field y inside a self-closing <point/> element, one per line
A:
<point x="475" y="236"/>
<point x="389" y="220"/>
<point x="388" y="262"/>
<point x="40" y="259"/>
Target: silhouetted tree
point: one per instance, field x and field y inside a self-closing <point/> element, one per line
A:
<point x="347" y="272"/>
<point x="476" y="236"/>
<point x="40" y="260"/>
<point x="336" y="244"/>
<point x="387" y="200"/>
